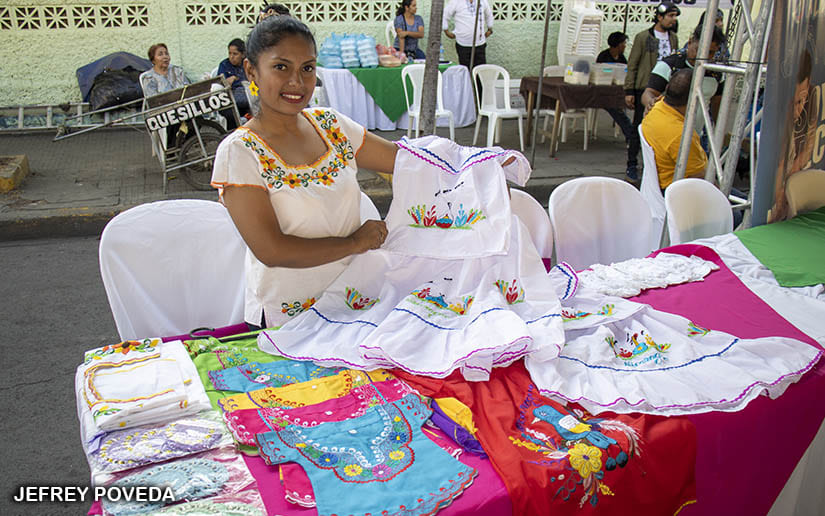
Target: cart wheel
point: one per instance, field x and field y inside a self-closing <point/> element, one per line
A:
<point x="199" y="175"/>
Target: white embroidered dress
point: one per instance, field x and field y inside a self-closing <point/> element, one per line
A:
<point x="321" y="199"/>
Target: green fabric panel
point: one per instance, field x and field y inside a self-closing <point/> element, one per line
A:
<point x="794" y="250"/>
<point x="239" y="350"/>
<point x="384" y="86"/>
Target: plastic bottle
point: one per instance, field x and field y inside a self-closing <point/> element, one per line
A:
<point x="441" y="57"/>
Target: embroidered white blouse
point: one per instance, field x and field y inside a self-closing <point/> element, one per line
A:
<point x="320" y="199"/>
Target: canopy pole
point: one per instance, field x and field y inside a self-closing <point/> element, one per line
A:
<point x="541" y="81"/>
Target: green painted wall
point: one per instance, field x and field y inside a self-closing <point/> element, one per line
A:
<point x="45" y="41"/>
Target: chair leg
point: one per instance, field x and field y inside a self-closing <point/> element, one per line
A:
<point x="452" y="127"/>
<point x="478" y="126"/>
<point x="409" y="125"/>
<point x="564" y="121"/>
<point x="544" y="128"/>
<point x="497" y="138"/>
<point x="491" y="129"/>
<point x="586" y="129"/>
<point x="520" y="133"/>
<point x="417" y="126"/>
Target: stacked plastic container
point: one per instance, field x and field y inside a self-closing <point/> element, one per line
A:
<point x="330" y="53"/>
<point x="366" y="51"/>
<point x="349" y="51"/>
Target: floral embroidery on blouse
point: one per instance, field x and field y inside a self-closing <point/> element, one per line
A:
<point x="358" y="302"/>
<point x="431" y="301"/>
<point x="511" y="292"/>
<point x="296" y="307"/>
<point x="277" y="176"/>
<point x="427" y="218"/>
<point x="635" y="346"/>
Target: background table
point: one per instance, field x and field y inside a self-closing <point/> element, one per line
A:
<point x="346" y="94"/>
<point x="555" y="92"/>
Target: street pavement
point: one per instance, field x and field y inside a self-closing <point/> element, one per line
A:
<point x="76" y="185"/>
<point x="54" y="306"/>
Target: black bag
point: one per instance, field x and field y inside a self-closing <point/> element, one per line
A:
<point x="113" y="87"/>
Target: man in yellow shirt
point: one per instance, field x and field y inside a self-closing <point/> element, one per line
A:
<point x="663" y="126"/>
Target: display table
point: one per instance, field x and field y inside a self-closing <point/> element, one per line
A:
<point x="556" y="93"/>
<point x="381" y="104"/>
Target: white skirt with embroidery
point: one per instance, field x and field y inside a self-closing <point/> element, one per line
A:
<point x="627" y="357"/>
<point x="429" y="316"/>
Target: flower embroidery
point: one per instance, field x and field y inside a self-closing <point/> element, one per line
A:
<point x="694" y="330"/>
<point x="575" y="315"/>
<point x="424" y="217"/>
<point x="328" y="459"/>
<point x="276" y="175"/>
<point x="433" y="301"/>
<point x="353" y="470"/>
<point x="586" y="459"/>
<point x="511" y="292"/>
<point x="358" y="302"/>
<point x="140" y="346"/>
<point x="381" y="471"/>
<point x="293" y="309"/>
<point x="396" y="455"/>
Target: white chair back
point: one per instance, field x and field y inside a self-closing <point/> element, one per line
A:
<point x="389" y="31"/>
<point x="599" y="220"/>
<point x="368" y="209"/>
<point x="696" y="209"/>
<point x="651" y="191"/>
<point x="415" y="74"/>
<point x="805" y="191"/>
<point x="169" y="267"/>
<point x="533" y="215"/>
<point x="488" y="75"/>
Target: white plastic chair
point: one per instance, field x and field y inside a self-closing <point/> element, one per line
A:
<point x="599" y="220"/>
<point x="415" y="73"/>
<point x="805" y="191"/>
<point x="488" y="74"/>
<point x="696" y="209"/>
<point x="169" y="267"/>
<point x="389" y="31"/>
<point x="650" y="190"/>
<point x="368" y="209"/>
<point x="535" y="218"/>
<point x="566" y="116"/>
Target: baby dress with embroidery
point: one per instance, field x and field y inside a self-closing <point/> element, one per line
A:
<point x="255" y="375"/>
<point x="221" y="472"/>
<point x="627" y="357"/>
<point x="449" y="201"/>
<point x="135" y="383"/>
<point x="378" y="463"/>
<point x="304" y="393"/>
<point x="429" y="316"/>
<point x="147" y="444"/>
<point x="315" y="200"/>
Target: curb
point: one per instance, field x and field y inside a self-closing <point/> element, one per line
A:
<point x="55" y="226"/>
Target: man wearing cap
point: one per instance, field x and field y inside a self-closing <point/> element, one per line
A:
<point x="649" y="46"/>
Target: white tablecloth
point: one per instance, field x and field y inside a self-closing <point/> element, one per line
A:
<point x="345" y="94"/>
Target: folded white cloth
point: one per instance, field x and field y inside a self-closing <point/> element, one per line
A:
<point x="630" y="277"/>
<point x="135" y="383"/>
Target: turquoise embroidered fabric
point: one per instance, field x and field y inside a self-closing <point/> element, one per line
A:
<point x="378" y="463"/>
<point x="256" y="375"/>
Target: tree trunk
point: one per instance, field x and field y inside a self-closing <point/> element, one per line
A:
<point x="430" y="86"/>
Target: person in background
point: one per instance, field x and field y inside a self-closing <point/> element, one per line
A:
<point x="723" y="54"/>
<point x="660" y="75"/>
<point x="232" y="70"/>
<point x="463" y="15"/>
<point x="163" y="76"/>
<point x="409" y="28"/>
<point x="617" y="42"/>
<point x="649" y="46"/>
<point x="663" y="126"/>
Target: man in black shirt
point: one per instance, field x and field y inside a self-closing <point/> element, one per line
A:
<point x="615" y="54"/>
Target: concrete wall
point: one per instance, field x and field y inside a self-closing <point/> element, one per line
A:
<point x="45" y="41"/>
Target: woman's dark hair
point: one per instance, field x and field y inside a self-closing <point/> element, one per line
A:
<point x="239" y="44"/>
<point x="718" y="36"/>
<point x="402" y="8"/>
<point x="615" y="39"/>
<point x="154" y="48"/>
<point x="719" y="15"/>
<point x="272" y="31"/>
<point x="281" y="9"/>
<point x="804" y="67"/>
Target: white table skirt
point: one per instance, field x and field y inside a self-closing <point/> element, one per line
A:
<point x="345" y="94"/>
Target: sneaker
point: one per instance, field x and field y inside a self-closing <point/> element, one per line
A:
<point x="632" y="173"/>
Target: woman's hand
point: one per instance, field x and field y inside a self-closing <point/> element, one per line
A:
<point x="370" y="235"/>
<point x="630" y="101"/>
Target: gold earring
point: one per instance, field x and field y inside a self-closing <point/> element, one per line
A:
<point x="253" y="89"/>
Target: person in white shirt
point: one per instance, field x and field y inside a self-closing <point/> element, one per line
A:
<point x="463" y="15"/>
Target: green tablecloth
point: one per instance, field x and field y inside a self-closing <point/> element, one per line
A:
<point x="794" y="250"/>
<point x="385" y="88"/>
